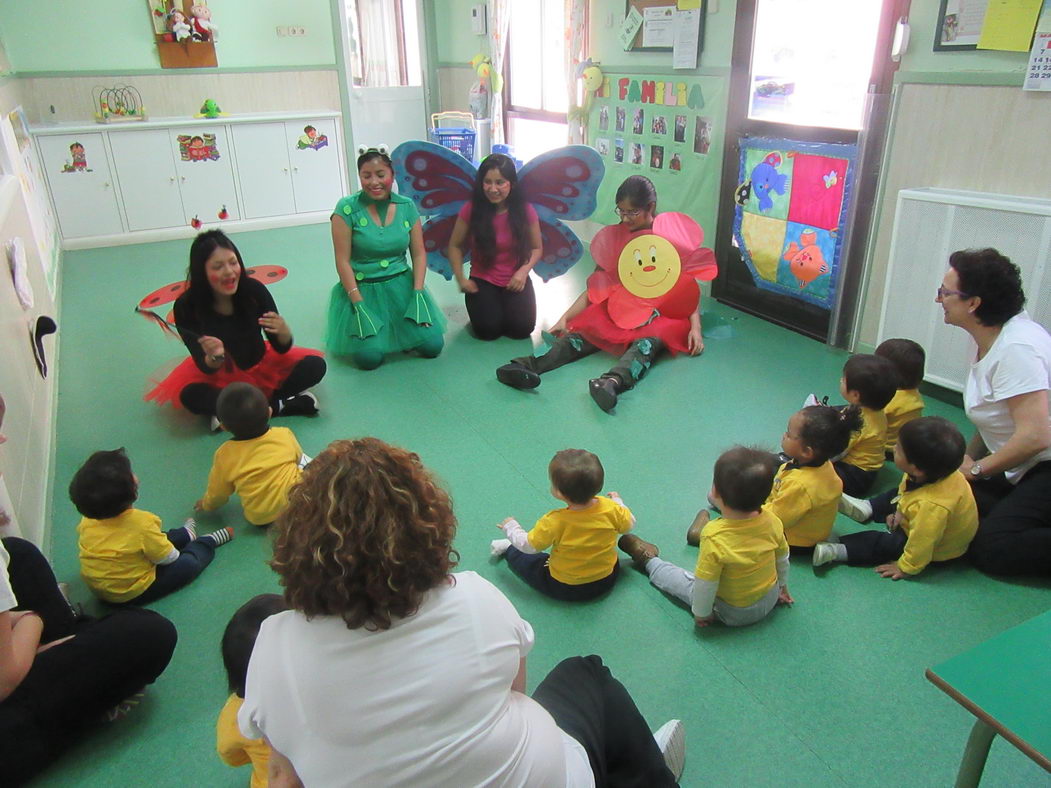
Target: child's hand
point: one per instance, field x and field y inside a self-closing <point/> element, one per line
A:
<point x="893" y="571"/>
<point x="703" y="622"/>
<point x="783" y="597"/>
<point x="503" y="523"/>
<point x="894" y="521"/>
<point x="199" y="506"/>
<point x="613" y="495"/>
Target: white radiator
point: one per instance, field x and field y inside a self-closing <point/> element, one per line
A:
<point x="931" y="224"/>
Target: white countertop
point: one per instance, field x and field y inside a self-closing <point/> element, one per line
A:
<point x="167" y="123"/>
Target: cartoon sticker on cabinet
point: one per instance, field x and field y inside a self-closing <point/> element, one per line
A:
<point x="312" y="139"/>
<point x="78" y="159"/>
<point x="198" y="147"/>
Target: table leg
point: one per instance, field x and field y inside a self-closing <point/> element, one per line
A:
<point x="974" y="755"/>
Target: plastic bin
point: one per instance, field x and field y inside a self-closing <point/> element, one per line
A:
<point x="459" y="140"/>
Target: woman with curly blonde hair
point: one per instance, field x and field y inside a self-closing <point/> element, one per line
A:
<point x="389" y="670"/>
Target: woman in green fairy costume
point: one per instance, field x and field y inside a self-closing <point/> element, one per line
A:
<point x="380" y="304"/>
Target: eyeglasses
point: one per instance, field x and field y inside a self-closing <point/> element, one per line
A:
<point x="626" y="214"/>
<point x="944" y="291"/>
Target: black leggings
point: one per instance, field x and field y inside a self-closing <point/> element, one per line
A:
<point x="1014" y="529"/>
<point x="496" y="311"/>
<point x="200" y="398"/>
<point x="595" y="709"/>
<point x="71" y="685"/>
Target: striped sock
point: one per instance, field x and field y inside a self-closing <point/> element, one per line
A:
<point x="191" y="528"/>
<point x="220" y="537"/>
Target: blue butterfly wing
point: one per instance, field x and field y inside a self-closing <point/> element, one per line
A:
<point x="562" y="249"/>
<point x="436" y="234"/>
<point x="438" y="180"/>
<point x="563" y="183"/>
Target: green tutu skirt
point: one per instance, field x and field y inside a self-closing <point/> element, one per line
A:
<point x="389" y="322"/>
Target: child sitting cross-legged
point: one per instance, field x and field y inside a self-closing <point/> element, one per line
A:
<point x="869" y="381"/>
<point x="930" y="517"/>
<point x="125" y="558"/>
<point x="260" y="463"/>
<point x="742" y="569"/>
<point x="908" y="358"/>
<point x="583" y="562"/>
<point x="238" y="642"/>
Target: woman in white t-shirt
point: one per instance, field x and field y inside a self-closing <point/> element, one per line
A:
<point x="389" y="670"/>
<point x="1006" y="397"/>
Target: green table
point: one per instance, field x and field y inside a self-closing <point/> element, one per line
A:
<point x="1006" y="683"/>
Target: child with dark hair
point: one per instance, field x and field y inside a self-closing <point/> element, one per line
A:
<point x="908" y="358"/>
<point x="583" y="562"/>
<point x="870" y="382"/>
<point x="260" y="463"/>
<point x="238" y="640"/>
<point x="125" y="558"/>
<point x="931" y="516"/>
<point x="742" y="568"/>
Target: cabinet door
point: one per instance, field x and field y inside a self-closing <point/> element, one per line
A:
<point x="263" y="169"/>
<point x="78" y="172"/>
<point x="316" y="164"/>
<point x="206" y="178"/>
<point x="148" y="183"/>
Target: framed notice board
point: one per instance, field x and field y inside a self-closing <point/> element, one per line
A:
<point x="658" y="24"/>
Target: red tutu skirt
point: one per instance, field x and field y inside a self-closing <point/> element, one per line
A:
<point x="271" y="371"/>
<point x="595" y="325"/>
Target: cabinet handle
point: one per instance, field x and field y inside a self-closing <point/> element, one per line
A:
<point x="295" y="169"/>
<point x="183" y="178"/>
<point x="171" y="179"/>
<point x="105" y="185"/>
<point x="284" y="169"/>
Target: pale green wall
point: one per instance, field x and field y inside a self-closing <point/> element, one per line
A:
<point x="456" y="43"/>
<point x="116" y="35"/>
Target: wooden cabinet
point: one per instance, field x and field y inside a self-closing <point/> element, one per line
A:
<point x="81" y="184"/>
<point x="149" y="181"/>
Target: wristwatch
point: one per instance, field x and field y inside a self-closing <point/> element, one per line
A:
<point x="976" y="470"/>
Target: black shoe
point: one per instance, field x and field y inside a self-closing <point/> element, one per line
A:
<point x="303" y="404"/>
<point x="517" y="376"/>
<point x="604" y="391"/>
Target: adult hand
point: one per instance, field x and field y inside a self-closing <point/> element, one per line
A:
<point x="468" y="286"/>
<point x="893" y="571"/>
<point x="783" y="597"/>
<point x="965" y="468"/>
<point x="703" y="622"/>
<point x="273" y="323"/>
<point x="695" y="342"/>
<point x="212" y="346"/>
<point x="518" y="281"/>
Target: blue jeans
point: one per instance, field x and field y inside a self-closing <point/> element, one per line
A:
<point x="194" y="557"/>
<point x="533" y="568"/>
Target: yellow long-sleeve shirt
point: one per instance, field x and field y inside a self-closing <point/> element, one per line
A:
<point x="805" y="499"/>
<point x="940" y="519"/>
<point x="866" y="448"/>
<point x="585" y="540"/>
<point x="260" y="470"/>
<point x="235" y="749"/>
<point x="906" y="406"/>
<point x="118" y="555"/>
<point x="741" y="556"/>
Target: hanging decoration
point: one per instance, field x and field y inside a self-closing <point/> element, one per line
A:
<point x="184" y="33"/>
<point x="479" y="99"/>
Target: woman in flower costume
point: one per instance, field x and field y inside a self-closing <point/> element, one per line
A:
<point x="641" y="300"/>
<point x="380" y="304"/>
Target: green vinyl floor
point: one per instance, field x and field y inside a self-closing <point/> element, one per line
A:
<point x="828" y="692"/>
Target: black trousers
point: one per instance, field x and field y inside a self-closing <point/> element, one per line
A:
<point x="1014" y="529"/>
<point x="629" y="369"/>
<point x="856" y="482"/>
<point x="596" y="710"/>
<point x="200" y="398"/>
<point x="533" y="568"/>
<point x="869" y="548"/>
<point x="71" y="685"/>
<point x="498" y="312"/>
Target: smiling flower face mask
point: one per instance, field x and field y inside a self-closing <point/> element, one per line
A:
<point x="649" y="266"/>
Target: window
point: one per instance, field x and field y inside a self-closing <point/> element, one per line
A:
<point x="384" y="43"/>
<point x="536" y="79"/>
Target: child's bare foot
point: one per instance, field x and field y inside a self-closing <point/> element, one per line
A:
<point x="693" y="534"/>
<point x="640" y="550"/>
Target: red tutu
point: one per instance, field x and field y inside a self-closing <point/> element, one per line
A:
<point x="268" y="374"/>
<point x="595" y="325"/>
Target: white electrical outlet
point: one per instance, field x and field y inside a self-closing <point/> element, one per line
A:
<point x="297" y="31"/>
<point x="282" y="31"/>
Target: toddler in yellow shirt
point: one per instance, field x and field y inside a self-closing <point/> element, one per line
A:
<point x="125" y="558"/>
<point x="238" y="641"/>
<point x="583" y="560"/>
<point x="870" y="382"/>
<point x="908" y="359"/>
<point x="742" y="568"/>
<point x="932" y="515"/>
<point x="260" y="463"/>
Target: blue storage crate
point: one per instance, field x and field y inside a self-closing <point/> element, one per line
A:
<point x="459" y="140"/>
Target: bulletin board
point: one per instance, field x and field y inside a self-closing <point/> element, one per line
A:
<point x="641" y="6"/>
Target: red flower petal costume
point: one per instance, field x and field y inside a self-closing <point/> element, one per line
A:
<point x="616" y="316"/>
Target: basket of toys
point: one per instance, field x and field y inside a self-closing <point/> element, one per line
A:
<point x="459" y="137"/>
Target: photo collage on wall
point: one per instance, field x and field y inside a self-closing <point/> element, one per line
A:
<point x="656" y="124"/>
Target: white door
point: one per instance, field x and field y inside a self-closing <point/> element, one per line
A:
<point x="206" y="178"/>
<point x="263" y="169"/>
<point x="388" y="116"/>
<point x="148" y="183"/>
<point x="78" y="172"/>
<point x="316" y="165"/>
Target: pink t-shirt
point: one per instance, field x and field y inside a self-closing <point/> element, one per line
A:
<point x="500" y="270"/>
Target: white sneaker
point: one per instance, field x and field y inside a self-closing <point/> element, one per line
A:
<point x="498" y="547"/>
<point x="857" y="509"/>
<point x="811" y="400"/>
<point x="671" y="739"/>
<point x="214" y="425"/>
<point x="824" y="553"/>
